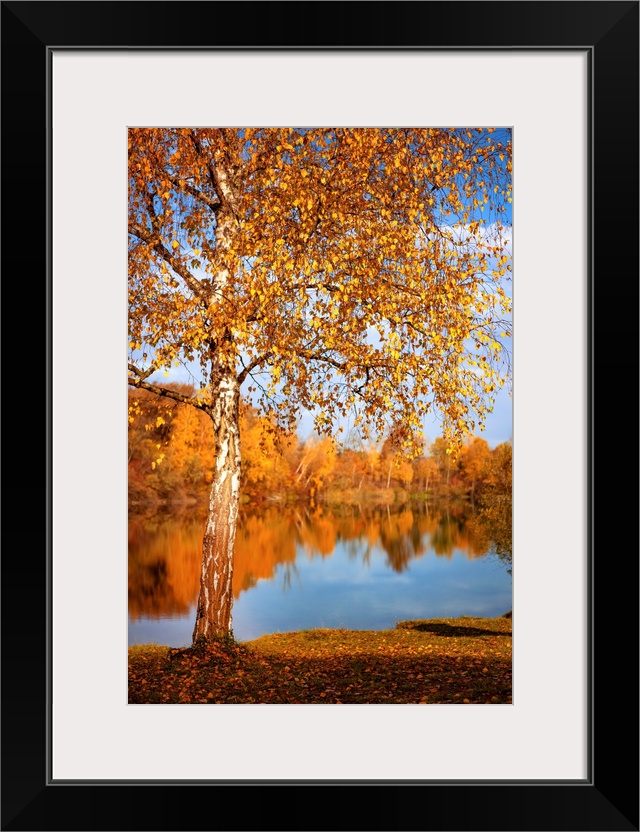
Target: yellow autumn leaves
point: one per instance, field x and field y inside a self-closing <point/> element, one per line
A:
<point x="320" y="239"/>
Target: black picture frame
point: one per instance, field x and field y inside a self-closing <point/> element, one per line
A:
<point x="608" y="798"/>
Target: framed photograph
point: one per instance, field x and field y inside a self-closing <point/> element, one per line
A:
<point x="563" y="77"/>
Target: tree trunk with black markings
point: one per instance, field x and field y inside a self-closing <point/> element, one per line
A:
<point x="215" y="600"/>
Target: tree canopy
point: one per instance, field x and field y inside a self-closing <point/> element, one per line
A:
<point x="354" y="272"/>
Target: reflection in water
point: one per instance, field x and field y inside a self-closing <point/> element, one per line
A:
<point x="360" y="548"/>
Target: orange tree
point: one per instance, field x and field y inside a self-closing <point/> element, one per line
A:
<point x="345" y="271"/>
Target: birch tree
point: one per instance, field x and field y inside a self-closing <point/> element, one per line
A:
<point x="355" y="273"/>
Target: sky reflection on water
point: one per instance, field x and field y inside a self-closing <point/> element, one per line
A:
<point x="358" y="585"/>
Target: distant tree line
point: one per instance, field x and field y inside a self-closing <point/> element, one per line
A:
<point x="169" y="444"/>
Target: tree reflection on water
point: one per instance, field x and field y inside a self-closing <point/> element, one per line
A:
<point x="165" y="548"/>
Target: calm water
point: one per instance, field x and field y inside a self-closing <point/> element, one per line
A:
<point x="297" y="569"/>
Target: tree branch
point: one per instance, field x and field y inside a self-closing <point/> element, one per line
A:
<point x="364" y="383"/>
<point x="212" y="174"/>
<point x="169" y="394"/>
<point x="219" y="178"/>
<point x="155" y="222"/>
<point x="251" y="367"/>
<point x="153" y="240"/>
<point x="141" y="375"/>
<point x="213" y="204"/>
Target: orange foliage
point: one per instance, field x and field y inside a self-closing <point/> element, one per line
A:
<point x="265" y="468"/>
<point x="170" y="444"/>
<point x="276" y="253"/>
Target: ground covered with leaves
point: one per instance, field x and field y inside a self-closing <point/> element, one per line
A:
<point x="438" y="661"/>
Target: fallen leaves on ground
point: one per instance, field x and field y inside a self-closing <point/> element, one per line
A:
<point x="439" y="661"/>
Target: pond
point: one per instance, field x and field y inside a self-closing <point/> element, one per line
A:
<point x="300" y="568"/>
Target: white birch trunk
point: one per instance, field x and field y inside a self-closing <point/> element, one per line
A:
<point x="215" y="600"/>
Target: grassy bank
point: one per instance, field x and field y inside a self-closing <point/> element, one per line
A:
<point x="437" y="661"/>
